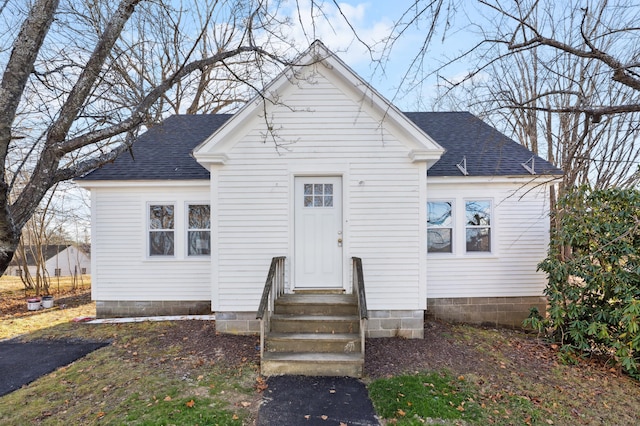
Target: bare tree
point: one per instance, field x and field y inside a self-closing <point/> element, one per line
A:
<point x="80" y="68"/>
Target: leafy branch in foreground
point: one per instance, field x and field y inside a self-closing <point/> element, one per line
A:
<point x="593" y="268"/>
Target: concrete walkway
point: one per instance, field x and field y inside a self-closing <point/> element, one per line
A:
<point x="322" y="401"/>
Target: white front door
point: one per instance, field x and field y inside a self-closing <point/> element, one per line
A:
<point x="318" y="232"/>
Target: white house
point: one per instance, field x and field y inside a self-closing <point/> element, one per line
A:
<point x="449" y="216"/>
<point x="60" y="260"/>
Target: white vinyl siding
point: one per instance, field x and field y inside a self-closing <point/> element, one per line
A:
<point x="122" y="269"/>
<point x="381" y="201"/>
<point x="519" y="234"/>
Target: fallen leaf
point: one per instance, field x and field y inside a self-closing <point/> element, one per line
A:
<point x="167" y="398"/>
<point x="401" y="412"/>
<point x="200" y="377"/>
<point x="549" y="421"/>
<point x="323" y="417"/>
<point x="235" y="417"/>
<point x="190" y="404"/>
<point x="343" y="424"/>
<point x="307" y="417"/>
<point x="101" y="414"/>
<point x="245" y="404"/>
<point x="332" y="391"/>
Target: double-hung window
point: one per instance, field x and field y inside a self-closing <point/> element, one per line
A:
<point x="439" y="226"/>
<point x="161" y="230"/>
<point x="199" y="230"/>
<point x="478" y="225"/>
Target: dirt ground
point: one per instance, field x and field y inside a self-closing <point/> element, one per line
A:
<point x="502" y="363"/>
<point x="16" y="306"/>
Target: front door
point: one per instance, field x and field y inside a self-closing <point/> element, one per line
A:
<point x="318" y="232"/>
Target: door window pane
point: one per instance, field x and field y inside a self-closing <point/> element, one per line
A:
<point x="318" y="195"/>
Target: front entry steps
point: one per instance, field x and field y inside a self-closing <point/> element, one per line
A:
<point x="314" y="334"/>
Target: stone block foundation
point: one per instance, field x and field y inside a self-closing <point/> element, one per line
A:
<point x="237" y="323"/>
<point x="129" y="308"/>
<point x="408" y="324"/>
<point x="491" y="311"/>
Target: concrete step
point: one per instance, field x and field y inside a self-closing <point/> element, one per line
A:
<point x="315" y="324"/>
<point x="317" y="304"/>
<point x="319" y="291"/>
<point x="313" y="342"/>
<point x="312" y="364"/>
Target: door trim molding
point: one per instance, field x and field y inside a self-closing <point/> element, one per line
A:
<point x="336" y="170"/>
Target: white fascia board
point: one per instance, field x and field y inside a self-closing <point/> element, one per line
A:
<point x="519" y="179"/>
<point x="428" y="156"/>
<point x="89" y="184"/>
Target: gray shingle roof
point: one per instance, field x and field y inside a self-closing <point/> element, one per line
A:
<point x="164" y="151"/>
<point x="487" y="151"/>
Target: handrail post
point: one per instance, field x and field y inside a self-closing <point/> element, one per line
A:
<point x="275" y="278"/>
<point x="358" y="289"/>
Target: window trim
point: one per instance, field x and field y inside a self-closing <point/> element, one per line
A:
<point x="148" y="254"/>
<point x="187" y="205"/>
<point x="491" y="226"/>
<point x="452" y="227"/>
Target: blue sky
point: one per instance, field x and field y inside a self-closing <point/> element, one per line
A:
<point x="373" y="20"/>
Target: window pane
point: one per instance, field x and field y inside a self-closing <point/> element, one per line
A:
<point x="317" y="189"/>
<point x="439" y="240"/>
<point x="161" y="217"/>
<point x="161" y="243"/>
<point x="199" y="243"/>
<point x="328" y="189"/>
<point x="199" y="216"/>
<point x="308" y="201"/>
<point x="439" y="214"/>
<point x="308" y="189"/>
<point x="317" y="201"/>
<point x="478" y="213"/>
<point x="328" y="201"/>
<point x="478" y="239"/>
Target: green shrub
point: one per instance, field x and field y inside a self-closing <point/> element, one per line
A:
<point x="593" y="270"/>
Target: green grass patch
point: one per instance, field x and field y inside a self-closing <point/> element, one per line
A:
<point x="180" y="411"/>
<point x="413" y="399"/>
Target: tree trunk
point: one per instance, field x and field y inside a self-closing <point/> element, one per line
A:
<point x="9" y="233"/>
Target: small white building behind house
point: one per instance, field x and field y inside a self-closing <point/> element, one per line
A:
<point x="449" y="216"/>
<point x="61" y="260"/>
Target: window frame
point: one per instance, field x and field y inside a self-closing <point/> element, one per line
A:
<point x="149" y="230"/>
<point x="188" y="230"/>
<point x="452" y="227"/>
<point x="490" y="227"/>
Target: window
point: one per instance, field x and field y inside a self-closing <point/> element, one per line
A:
<point x="478" y="226"/>
<point x="161" y="230"/>
<point x="439" y="226"/>
<point x="199" y="230"/>
<point x="318" y="195"/>
<point x="57" y="272"/>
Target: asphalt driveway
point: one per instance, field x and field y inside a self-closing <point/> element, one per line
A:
<point x="23" y="362"/>
<point x="316" y="401"/>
